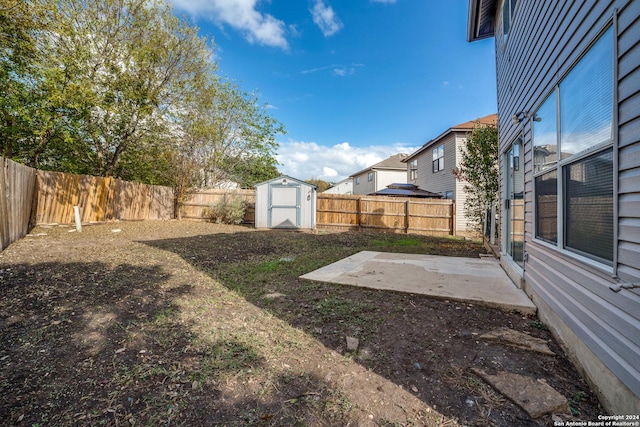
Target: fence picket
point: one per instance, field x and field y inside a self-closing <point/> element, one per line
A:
<point x="29" y="197"/>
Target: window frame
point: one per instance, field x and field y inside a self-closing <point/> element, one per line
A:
<point x="562" y="164"/>
<point x="370" y="176"/>
<point x="413" y="170"/>
<point x="511" y="7"/>
<point x="437" y="164"/>
<point x="357" y="180"/>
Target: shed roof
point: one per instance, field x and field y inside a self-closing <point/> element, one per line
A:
<point x="394" y="162"/>
<point x="284" y="177"/>
<point x="491" y="119"/>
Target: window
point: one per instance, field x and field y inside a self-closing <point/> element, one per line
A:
<point x="545" y="138"/>
<point x="573" y="157"/>
<point x="589" y="205"/>
<point x="547" y="206"/>
<point x="357" y="180"/>
<point x="438" y="158"/>
<point x="506" y="17"/>
<point x="448" y="195"/>
<point x="370" y="176"/>
<point x="413" y="170"/>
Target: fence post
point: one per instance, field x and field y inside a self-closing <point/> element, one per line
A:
<point x="453" y="218"/>
<point x="358" y="212"/>
<point x="406" y="216"/>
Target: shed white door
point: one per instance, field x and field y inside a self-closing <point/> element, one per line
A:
<point x="284" y="206"/>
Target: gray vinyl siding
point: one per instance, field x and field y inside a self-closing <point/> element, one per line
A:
<point x="381" y="179"/>
<point x="424" y="169"/>
<point x="460" y="195"/>
<point x="365" y="186"/>
<point x="545" y="41"/>
<point x="444" y="180"/>
<point x="441" y="181"/>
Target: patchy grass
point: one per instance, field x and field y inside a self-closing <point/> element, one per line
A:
<point x="178" y="323"/>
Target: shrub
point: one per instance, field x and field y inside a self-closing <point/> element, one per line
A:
<point x="228" y="210"/>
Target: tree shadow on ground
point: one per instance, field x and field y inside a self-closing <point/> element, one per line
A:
<point x="424" y="345"/>
<point x="89" y="344"/>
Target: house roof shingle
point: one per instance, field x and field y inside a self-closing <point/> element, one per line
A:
<point x="491" y="119"/>
<point x="395" y="162"/>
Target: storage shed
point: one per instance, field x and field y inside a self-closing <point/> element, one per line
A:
<point x="285" y="202"/>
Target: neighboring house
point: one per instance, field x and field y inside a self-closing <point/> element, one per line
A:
<point x="568" y="81"/>
<point x="343" y="187"/>
<point x="431" y="166"/>
<point x="376" y="177"/>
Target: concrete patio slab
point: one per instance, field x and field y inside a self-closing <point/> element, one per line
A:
<point x="473" y="280"/>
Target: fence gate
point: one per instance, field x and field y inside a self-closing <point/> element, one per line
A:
<point x="284" y="206"/>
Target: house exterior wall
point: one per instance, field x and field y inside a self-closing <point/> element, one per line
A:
<point x="385" y="178"/>
<point x="343" y="187"/>
<point x="460" y="195"/>
<point x="364" y="186"/>
<point x="444" y="180"/>
<point x="599" y="328"/>
<point x="381" y="179"/>
<point x="424" y="167"/>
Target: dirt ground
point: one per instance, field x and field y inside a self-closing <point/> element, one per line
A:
<point x="197" y="324"/>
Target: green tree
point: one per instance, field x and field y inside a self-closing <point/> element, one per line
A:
<point x="223" y="134"/>
<point x="254" y="168"/>
<point x="132" y="61"/>
<point x="26" y="108"/>
<point x="479" y="169"/>
<point x="319" y="183"/>
<point x="125" y="88"/>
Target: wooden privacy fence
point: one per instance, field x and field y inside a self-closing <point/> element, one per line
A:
<point x="405" y="215"/>
<point x="28" y="196"/>
<point x="100" y="199"/>
<point x="197" y="203"/>
<point x="344" y="212"/>
<point x="17" y="183"/>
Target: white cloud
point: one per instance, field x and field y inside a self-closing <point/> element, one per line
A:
<point x="329" y="172"/>
<point x="306" y="160"/>
<point x="344" y="71"/>
<point x="257" y="27"/>
<point x="338" y="70"/>
<point x="315" y="70"/>
<point x="325" y="18"/>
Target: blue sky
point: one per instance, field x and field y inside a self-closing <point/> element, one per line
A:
<point x="353" y="81"/>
